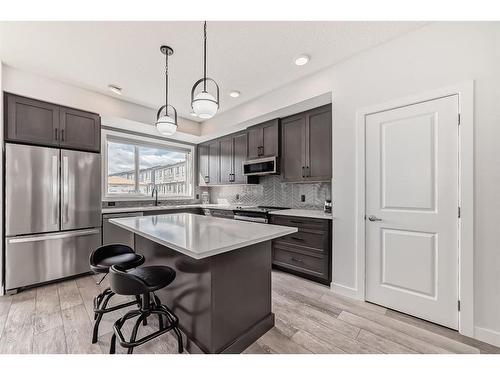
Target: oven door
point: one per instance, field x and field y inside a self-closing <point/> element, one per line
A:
<point x="259" y="167"/>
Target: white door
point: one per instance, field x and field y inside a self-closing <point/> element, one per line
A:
<point x="412" y="209"/>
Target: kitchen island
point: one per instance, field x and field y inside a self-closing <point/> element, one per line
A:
<point x="222" y="291"/>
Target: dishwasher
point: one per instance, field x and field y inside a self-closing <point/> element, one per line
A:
<point x="112" y="233"/>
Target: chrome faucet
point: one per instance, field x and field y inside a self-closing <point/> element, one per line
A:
<point x="154" y="193"/>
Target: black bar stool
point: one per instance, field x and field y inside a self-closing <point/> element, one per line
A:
<point x="144" y="281"/>
<point x="101" y="260"/>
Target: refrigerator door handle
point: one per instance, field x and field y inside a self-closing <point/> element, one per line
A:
<point x="65" y="189"/>
<point x="55" y="189"/>
<point x="57" y="236"/>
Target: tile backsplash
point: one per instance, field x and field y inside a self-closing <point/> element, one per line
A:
<point x="271" y="191"/>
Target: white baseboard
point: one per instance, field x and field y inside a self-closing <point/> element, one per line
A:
<point x="487" y="335"/>
<point x="346" y="291"/>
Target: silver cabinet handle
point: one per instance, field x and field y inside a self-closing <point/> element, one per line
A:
<point x="374" y="218"/>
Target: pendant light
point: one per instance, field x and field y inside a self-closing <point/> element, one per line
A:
<point x="166" y="123"/>
<point x="204" y="104"/>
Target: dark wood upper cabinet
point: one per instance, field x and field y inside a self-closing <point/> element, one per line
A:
<point x="303" y="143"/>
<point x="226" y="160"/>
<point x="80" y="130"/>
<point x="31" y="121"/>
<point x="203" y="174"/>
<point x="254" y="142"/>
<point x="239" y="156"/>
<point x="220" y="162"/>
<point x="213" y="163"/>
<point x="307" y="146"/>
<point x="319" y="144"/>
<point x="264" y="139"/>
<point x="41" y="123"/>
<point x="293" y="160"/>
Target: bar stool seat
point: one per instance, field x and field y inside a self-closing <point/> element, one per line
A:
<point x="143" y="281"/>
<point x="100" y="261"/>
<point x="154" y="277"/>
<point x="111" y="254"/>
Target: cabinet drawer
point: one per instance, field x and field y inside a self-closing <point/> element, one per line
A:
<point x="316" y="240"/>
<point x="312" y="265"/>
<point x="300" y="222"/>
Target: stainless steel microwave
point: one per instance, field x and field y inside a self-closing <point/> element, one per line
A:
<point x="262" y="166"/>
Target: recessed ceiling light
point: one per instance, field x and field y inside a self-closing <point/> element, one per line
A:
<point x="115" y="89"/>
<point x="234" y="94"/>
<point x="193" y="114"/>
<point x="302" y="60"/>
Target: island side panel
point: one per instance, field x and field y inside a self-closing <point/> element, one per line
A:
<point x="241" y="297"/>
<point x="189" y="295"/>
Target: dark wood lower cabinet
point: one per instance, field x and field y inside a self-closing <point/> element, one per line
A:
<point x="307" y="253"/>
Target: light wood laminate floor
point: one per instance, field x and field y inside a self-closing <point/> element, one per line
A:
<point x="58" y="318"/>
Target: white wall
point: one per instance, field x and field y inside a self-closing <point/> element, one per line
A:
<point x="438" y="55"/>
<point x="23" y="83"/>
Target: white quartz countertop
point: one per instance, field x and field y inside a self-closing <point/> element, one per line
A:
<point x="115" y="210"/>
<point x="200" y="236"/>
<point x="315" y="214"/>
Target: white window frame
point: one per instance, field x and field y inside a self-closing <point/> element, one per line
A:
<point x="143" y="141"/>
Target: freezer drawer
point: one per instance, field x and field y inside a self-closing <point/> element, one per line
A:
<point x="36" y="259"/>
<point x="31" y="189"/>
<point x="112" y="233"/>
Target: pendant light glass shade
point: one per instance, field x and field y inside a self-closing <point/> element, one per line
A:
<point x="166" y="118"/>
<point x="166" y="125"/>
<point x="204" y="104"/>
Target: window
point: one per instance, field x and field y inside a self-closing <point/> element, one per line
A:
<point x="134" y="166"/>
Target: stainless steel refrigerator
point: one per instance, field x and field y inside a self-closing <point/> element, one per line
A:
<point x="52" y="213"/>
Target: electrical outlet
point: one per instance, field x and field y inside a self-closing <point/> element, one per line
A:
<point x="302" y="197"/>
<point x="197" y="196"/>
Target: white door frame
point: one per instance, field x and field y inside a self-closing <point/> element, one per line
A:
<point x="465" y="91"/>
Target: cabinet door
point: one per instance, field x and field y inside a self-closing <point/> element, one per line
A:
<point x="240" y="153"/>
<point x="31" y="121"/>
<point x="293" y="148"/>
<point x="80" y="130"/>
<point x="255" y="142"/>
<point x="319" y="144"/>
<point x="271" y="138"/>
<point x="213" y="163"/>
<point x="203" y="173"/>
<point x="226" y="160"/>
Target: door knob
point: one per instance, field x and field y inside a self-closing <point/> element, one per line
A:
<point x="374" y="218"/>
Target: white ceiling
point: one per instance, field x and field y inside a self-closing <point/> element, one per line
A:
<point x="251" y="57"/>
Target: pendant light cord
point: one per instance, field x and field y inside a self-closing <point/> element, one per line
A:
<point x="166" y="83"/>
<point x="205" y="58"/>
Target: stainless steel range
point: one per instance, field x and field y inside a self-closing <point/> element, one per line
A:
<point x="258" y="214"/>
